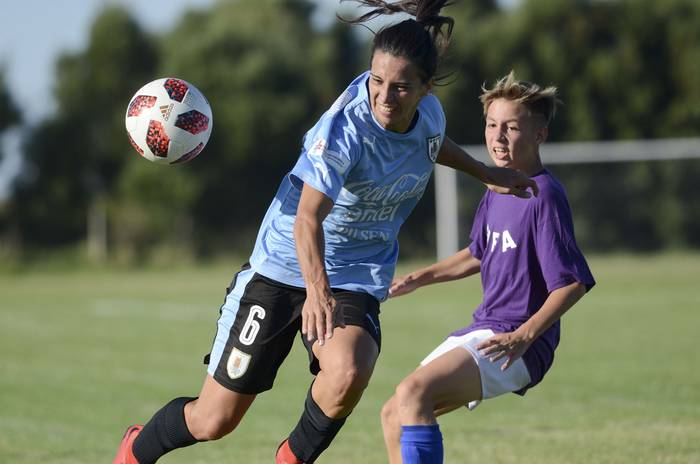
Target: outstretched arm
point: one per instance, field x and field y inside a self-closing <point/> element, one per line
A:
<point x="513" y="344"/>
<point x="461" y="264"/>
<point x="500" y="180"/>
<point x="317" y="313"/>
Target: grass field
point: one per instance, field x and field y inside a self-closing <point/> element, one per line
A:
<point x="84" y="353"/>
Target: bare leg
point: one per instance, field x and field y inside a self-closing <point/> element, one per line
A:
<point x="391" y="426"/>
<point x="347" y="362"/>
<point x="445" y="384"/>
<point x="217" y="411"/>
<point x="450" y="381"/>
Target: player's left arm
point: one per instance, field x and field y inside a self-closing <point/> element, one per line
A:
<point x="500" y="180"/>
<point x="512" y="345"/>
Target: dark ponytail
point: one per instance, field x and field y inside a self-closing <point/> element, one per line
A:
<point x="423" y="40"/>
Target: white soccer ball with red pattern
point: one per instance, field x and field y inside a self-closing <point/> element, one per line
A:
<point x="168" y="121"/>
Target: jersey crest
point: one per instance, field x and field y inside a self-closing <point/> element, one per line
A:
<point x="433" y="147"/>
<point x="237" y="364"/>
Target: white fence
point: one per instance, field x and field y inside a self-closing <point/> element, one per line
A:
<point x="446" y="207"/>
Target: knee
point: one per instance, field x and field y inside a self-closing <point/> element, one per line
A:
<point x="210" y="426"/>
<point x="347" y="378"/>
<point x="389" y="413"/>
<point x="412" y="393"/>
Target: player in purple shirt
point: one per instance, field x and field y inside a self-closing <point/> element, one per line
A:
<point x="532" y="272"/>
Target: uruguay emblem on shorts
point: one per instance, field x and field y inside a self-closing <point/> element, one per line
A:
<point x="237" y="363"/>
<point x="433" y="147"/>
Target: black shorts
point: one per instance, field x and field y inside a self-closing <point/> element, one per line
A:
<point x="257" y="325"/>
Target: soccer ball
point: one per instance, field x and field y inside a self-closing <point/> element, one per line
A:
<point x="168" y="121"/>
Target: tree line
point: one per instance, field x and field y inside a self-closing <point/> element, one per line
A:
<point x="626" y="69"/>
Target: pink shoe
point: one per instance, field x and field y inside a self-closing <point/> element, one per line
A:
<point x="285" y="454"/>
<point x="125" y="454"/>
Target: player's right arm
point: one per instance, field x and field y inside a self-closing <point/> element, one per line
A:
<point x="317" y="313"/>
<point x="458" y="266"/>
<point x="500" y="180"/>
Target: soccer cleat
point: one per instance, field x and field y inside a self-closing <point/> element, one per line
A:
<point x="285" y="454"/>
<point x="125" y="454"/>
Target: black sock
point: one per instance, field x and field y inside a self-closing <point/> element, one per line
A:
<point x="314" y="432"/>
<point x="165" y="432"/>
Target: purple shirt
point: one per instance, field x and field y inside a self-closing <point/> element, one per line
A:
<point x="527" y="249"/>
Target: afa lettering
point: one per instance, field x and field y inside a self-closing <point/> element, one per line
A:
<point x="505" y="239"/>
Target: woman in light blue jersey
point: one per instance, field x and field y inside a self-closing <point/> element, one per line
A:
<point x="327" y="247"/>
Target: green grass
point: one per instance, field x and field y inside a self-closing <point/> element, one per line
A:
<point x="84" y="353"/>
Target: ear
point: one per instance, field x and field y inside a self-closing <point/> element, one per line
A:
<point x="428" y="88"/>
<point x="541" y="134"/>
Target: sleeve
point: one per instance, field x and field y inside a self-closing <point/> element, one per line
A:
<point x="431" y="104"/>
<point x="330" y="150"/>
<point x="560" y="258"/>
<point x="479" y="233"/>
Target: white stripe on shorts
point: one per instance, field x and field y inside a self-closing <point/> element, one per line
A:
<point x="228" y="316"/>
<point x="494" y="381"/>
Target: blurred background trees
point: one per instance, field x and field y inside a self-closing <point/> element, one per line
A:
<point x="74" y="159"/>
<point x="626" y="69"/>
<point x="9" y="232"/>
<point x="9" y="114"/>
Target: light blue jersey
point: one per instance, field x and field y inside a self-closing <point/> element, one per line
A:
<point x="375" y="178"/>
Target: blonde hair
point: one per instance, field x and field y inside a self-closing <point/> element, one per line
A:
<point x="539" y="101"/>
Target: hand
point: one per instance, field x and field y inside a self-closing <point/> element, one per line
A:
<point x="318" y="315"/>
<point x="510" y="345"/>
<point x="402" y="285"/>
<point x="510" y="182"/>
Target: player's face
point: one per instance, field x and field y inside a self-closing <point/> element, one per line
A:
<point x="513" y="136"/>
<point x="395" y="88"/>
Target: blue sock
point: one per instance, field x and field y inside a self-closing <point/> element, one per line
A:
<point x="421" y="444"/>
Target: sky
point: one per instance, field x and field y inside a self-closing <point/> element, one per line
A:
<point x="33" y="33"/>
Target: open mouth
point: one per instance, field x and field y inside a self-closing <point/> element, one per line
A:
<point x="387" y="109"/>
<point x="501" y="153"/>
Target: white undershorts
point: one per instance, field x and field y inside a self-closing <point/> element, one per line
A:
<point x="494" y="381"/>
